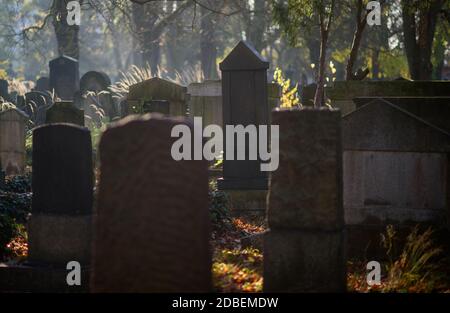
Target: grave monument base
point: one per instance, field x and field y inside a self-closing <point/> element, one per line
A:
<point x="247" y="201"/>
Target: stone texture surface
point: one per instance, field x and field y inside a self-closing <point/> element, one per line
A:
<point x="304" y="261"/>
<point x="65" y="112"/>
<point x="382" y="126"/>
<point x="57" y="240"/>
<point x="152" y="224"/>
<point x="306" y="190"/>
<point x="434" y="110"/>
<point x="158" y="89"/>
<point x="394" y="187"/>
<point x="12" y="141"/>
<point x="62" y="179"/>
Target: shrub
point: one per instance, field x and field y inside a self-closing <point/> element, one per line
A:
<point x="8" y="230"/>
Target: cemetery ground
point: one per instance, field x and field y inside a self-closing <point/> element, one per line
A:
<point x="417" y="266"/>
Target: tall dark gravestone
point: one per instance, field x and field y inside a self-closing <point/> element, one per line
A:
<point x="64" y="77"/>
<point x="245" y="102"/>
<point x="62" y="184"/>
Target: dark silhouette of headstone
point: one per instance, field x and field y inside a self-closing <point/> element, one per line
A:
<point x="42" y="84"/>
<point x="65" y="112"/>
<point x="152" y="225"/>
<point x="94" y="81"/>
<point x="62" y="170"/>
<point x="64" y="77"/>
<point x="4" y="93"/>
<point x="244" y="92"/>
<point x="98" y="83"/>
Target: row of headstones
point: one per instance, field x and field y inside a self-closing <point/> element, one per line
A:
<point x="66" y="85"/>
<point x="151" y="225"/>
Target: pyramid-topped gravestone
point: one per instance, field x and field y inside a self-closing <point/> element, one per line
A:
<point x="244" y="98"/>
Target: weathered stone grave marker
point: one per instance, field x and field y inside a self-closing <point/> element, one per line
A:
<point x="64" y="77"/>
<point x="157" y="89"/>
<point x="304" y="249"/>
<point x="152" y="224"/>
<point x="12" y="141"/>
<point x="65" y="112"/>
<point x="395" y="172"/>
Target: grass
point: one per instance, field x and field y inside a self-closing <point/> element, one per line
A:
<point x="419" y="268"/>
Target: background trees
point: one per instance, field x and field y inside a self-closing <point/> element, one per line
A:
<point x="190" y="37"/>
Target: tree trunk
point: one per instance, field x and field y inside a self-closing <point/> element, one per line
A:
<point x="208" y="47"/>
<point x="257" y="24"/>
<point x="324" y="32"/>
<point x="360" y="25"/>
<point x="66" y="36"/>
<point x="419" y="27"/>
<point x="319" y="96"/>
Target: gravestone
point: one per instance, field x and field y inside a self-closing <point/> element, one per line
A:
<point x="12" y="141"/>
<point x="64" y="77"/>
<point x="395" y="173"/>
<point x="435" y="110"/>
<point x="245" y="102"/>
<point x="42" y="84"/>
<point x="62" y="183"/>
<point x="304" y="249"/>
<point x="99" y="82"/>
<point x="152" y="225"/>
<point x="158" y="89"/>
<point x="65" y="112"/>
<point x="4" y="93"/>
<point x="308" y="94"/>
